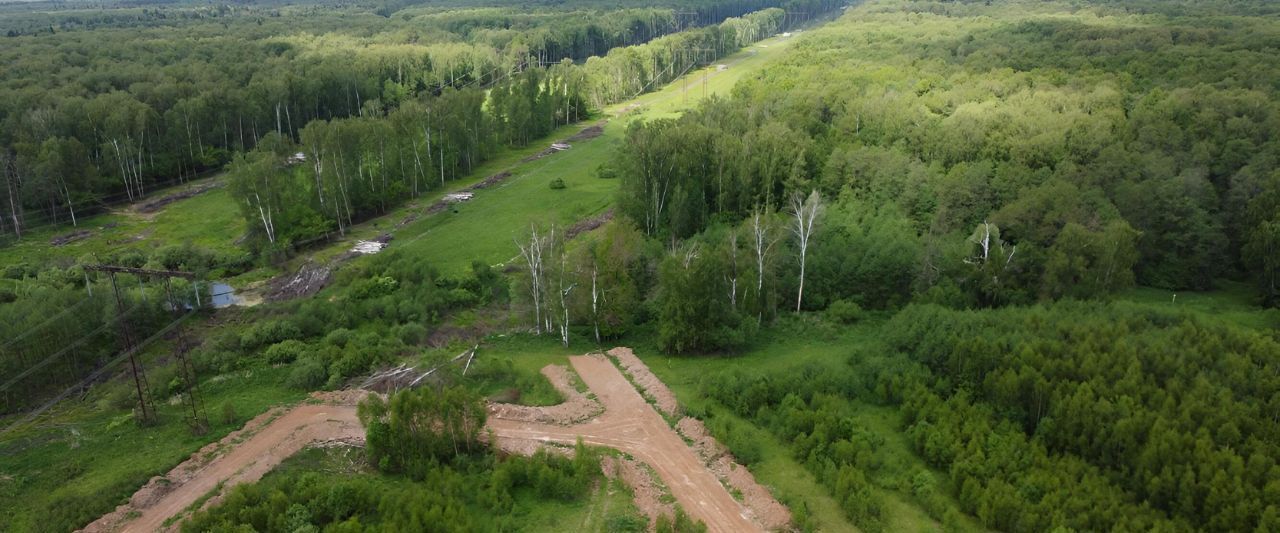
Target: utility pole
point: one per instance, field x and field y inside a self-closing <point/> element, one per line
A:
<point x="689" y="62"/>
<point x="146" y="404"/>
<point x="197" y="418"/>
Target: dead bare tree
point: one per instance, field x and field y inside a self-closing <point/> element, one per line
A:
<point x="806" y="212"/>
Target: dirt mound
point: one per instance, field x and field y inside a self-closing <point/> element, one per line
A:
<point x="585" y="225"/>
<point x="490" y="181"/>
<point x="576" y="408"/>
<point x="78" y="235"/>
<point x="646" y="492"/>
<point x="308" y="280"/>
<point x="707" y="447"/>
<point x="766" y="510"/>
<point x="590" y="132"/>
<point x="544" y="153"/>
<point x="653" y="388"/>
<point x="408" y="219"/>
<point x="527" y="447"/>
<point x="339" y="397"/>
<point x="152" y="206"/>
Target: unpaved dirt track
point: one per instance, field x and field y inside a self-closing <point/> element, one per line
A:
<point x="630" y="424"/>
<point x="250" y="460"/>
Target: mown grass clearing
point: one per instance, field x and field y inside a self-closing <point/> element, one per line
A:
<point x="209" y="220"/>
<point x="486" y="228"/>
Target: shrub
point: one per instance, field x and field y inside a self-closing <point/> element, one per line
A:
<point x="844" y="312"/>
<point x="411" y="334"/>
<point x="285" y="352"/>
<point x="227" y="414"/>
<point x="626" y="523"/>
<point x="558" y="184"/>
<point x="338" y="337"/>
<point x="269" y="332"/>
<point x="307" y="374"/>
<point x="373" y="287"/>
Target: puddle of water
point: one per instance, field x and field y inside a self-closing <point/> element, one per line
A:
<point x="222" y="295"/>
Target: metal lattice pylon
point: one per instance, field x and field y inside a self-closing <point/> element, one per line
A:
<point x="146" y="404"/>
<point x="197" y="417"/>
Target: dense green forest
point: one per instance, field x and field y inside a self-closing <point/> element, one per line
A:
<point x="96" y="115"/>
<point x="946" y="260"/>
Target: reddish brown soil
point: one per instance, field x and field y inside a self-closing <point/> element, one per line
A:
<point x="765" y="509"/>
<point x="243" y="456"/>
<point x="630" y="425"/>
<point x="652" y="387"/>
<point x="576" y="408"/>
<point x="646" y="492"/>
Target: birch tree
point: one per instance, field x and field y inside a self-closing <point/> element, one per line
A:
<point x="764" y="236"/>
<point x="991" y="258"/>
<point x="805" y="212"/>
<point x="564" y="286"/>
<point x="532" y="253"/>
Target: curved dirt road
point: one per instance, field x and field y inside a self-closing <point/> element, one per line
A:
<point x="244" y="463"/>
<point x="630" y="424"/>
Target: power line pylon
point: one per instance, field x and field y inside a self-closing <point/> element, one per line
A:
<point x="146" y="404"/>
<point x="197" y="417"/>
<point x="680" y="19"/>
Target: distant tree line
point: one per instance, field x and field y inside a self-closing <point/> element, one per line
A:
<point x="95" y="117"/>
<point x="356" y="167"/>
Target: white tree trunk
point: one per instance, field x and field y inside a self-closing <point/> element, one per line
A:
<point x="805" y="211"/>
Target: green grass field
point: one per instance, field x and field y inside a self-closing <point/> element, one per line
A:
<point x="210" y="220"/>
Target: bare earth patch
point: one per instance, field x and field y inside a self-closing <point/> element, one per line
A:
<point x="629" y="424"/>
<point x="620" y="419"/>
<point x="242" y="456"/>
<point x="576" y="408"/>
<point x="644" y="489"/>
<point x="765" y="509"/>
<point x="652" y="387"/>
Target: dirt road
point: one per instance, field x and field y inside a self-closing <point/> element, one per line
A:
<point x="630" y="425"/>
<point x="244" y="463"/>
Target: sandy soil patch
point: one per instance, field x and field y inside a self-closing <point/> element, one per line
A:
<point x="649" y="384"/>
<point x="242" y="456"/>
<point x="766" y="510"/>
<point x="576" y="408"/>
